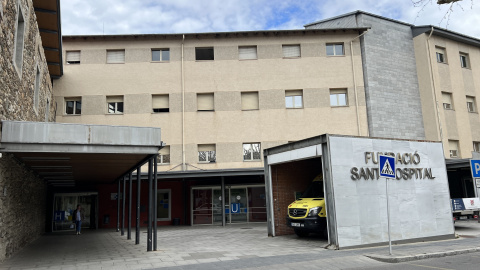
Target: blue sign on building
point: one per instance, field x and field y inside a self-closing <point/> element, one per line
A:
<point x="475" y="166"/>
<point x="386" y="165"/>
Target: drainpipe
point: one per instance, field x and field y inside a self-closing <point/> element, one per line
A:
<point x="439" y="126"/>
<point x="183" y="108"/>
<point x="355" y="82"/>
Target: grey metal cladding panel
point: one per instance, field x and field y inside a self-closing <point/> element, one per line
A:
<point x="40" y="132"/>
<point x="345" y="22"/>
<point x="125" y="135"/>
<point x="392" y="91"/>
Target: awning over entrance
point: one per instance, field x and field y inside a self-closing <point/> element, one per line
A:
<point x="75" y="154"/>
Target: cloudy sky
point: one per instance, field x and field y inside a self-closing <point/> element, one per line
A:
<point x="97" y="17"/>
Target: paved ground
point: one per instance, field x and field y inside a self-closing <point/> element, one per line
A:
<point x="211" y="247"/>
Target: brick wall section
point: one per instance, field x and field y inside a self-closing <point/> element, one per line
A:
<point x="22" y="195"/>
<point x="287" y="179"/>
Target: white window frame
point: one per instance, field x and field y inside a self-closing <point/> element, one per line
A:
<point x="161" y="55"/>
<point x="453" y="146"/>
<point x="210" y="155"/>
<point x="19" y="40"/>
<point x="116" y="101"/>
<point x="169" y="191"/>
<point x="204" y="96"/>
<point x="293" y="96"/>
<point x="464" y="60"/>
<point x="447" y="106"/>
<point x="291" y="49"/>
<point x="441" y="54"/>
<point x="161" y="107"/>
<point x="337" y="93"/>
<point x="117" y="59"/>
<point x="335" y="53"/>
<point x="74" y="100"/>
<point x="247" y="53"/>
<point x="72" y="57"/>
<point x="162" y="156"/>
<point x="250" y="101"/>
<point x="476" y="146"/>
<point x="251" y="150"/>
<point x="471" y="106"/>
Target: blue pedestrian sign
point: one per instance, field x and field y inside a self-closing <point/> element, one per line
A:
<point x="475" y="165"/>
<point x="386" y="165"/>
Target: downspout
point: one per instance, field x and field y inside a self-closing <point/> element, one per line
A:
<point x="355" y="82"/>
<point x="439" y="127"/>
<point x="183" y="107"/>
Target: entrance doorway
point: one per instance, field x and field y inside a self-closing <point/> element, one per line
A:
<point x="242" y="204"/>
<point x="65" y="203"/>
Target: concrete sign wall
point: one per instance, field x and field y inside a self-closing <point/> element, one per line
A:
<point x="419" y="196"/>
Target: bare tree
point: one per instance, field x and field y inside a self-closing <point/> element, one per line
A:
<point x="452" y="4"/>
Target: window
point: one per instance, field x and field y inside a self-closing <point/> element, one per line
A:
<point x="19" y="40"/>
<point x="206" y="153"/>
<point x="291" y="51"/>
<point x="37" y="89"/>
<point x="294" y="99"/>
<point x="164" y="155"/>
<point x="164" y="204"/>
<point x="335" y="49"/>
<point x="73" y="57"/>
<point x="47" y="110"/>
<point x="247" y="53"/>
<point x="205" y="102"/>
<point x="204" y="53"/>
<point x="447" y="101"/>
<point x="160" y="55"/>
<point x="251" y="151"/>
<point x="476" y="146"/>
<point x="249" y="101"/>
<point x="115" y="104"/>
<point x="464" y="60"/>
<point x="338" y="97"/>
<point x="160" y="103"/>
<point x="453" y="147"/>
<point x="116" y="57"/>
<point x="440" y="55"/>
<point x="73" y="105"/>
<point x="471" y="104"/>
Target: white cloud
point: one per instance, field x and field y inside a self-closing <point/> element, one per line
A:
<point x="89" y="17"/>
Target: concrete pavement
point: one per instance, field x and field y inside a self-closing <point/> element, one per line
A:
<point x="242" y="246"/>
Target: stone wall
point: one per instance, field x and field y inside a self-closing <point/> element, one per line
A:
<point x="22" y="194"/>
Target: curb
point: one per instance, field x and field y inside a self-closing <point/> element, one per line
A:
<point x="408" y="258"/>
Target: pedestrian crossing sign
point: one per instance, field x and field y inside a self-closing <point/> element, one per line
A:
<point x="386" y="165"/>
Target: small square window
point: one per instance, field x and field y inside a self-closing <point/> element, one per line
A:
<point x="335" y="49"/>
<point x="160" y="55"/>
<point x="160" y="103"/>
<point x="206" y="153"/>
<point x="291" y="51"/>
<point x="116" y="57"/>
<point x="73" y="106"/>
<point x="440" y="52"/>
<point x="338" y="97"/>
<point x="73" y="57"/>
<point x="164" y="155"/>
<point x="204" y="53"/>
<point x="252" y="152"/>
<point x="115" y="105"/>
<point x="205" y="102"/>
<point x="453" y="148"/>
<point x="247" y="53"/>
<point x="476" y="146"/>
<point x="447" y="101"/>
<point x="471" y="104"/>
<point x="464" y="60"/>
<point x="249" y="101"/>
<point x="294" y="99"/>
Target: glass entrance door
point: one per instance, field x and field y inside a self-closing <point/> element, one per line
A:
<point x="238" y="205"/>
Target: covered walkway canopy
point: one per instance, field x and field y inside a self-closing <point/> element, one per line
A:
<point x="70" y="154"/>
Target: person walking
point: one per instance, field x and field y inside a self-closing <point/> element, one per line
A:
<point x="78" y="216"/>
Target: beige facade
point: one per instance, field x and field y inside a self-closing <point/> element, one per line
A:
<point x="448" y="67"/>
<point x="269" y="75"/>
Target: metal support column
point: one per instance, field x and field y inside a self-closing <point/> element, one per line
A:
<point x="129" y="230"/>
<point x="137" y="223"/>
<point x="118" y="207"/>
<point x="123" y="204"/>
<point x="155" y="199"/>
<point x="223" y="201"/>
<point x="150" y="210"/>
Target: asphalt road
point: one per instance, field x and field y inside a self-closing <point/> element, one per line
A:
<point x="469" y="261"/>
